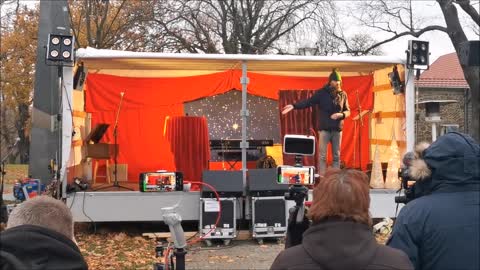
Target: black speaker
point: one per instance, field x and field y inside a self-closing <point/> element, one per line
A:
<point x="79" y="78"/>
<point x="227" y="183"/>
<point x="469" y="53"/>
<point x="263" y="182"/>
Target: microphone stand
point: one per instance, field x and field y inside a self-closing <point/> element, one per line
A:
<point x="3" y="207"/>
<point x="360" y="119"/>
<point x="115" y="148"/>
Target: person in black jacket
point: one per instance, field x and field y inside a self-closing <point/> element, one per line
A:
<point x="341" y="236"/>
<point x="441" y="229"/>
<point x="39" y="235"/>
<point x="333" y="107"/>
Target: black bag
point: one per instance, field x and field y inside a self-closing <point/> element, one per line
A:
<point x="266" y="162"/>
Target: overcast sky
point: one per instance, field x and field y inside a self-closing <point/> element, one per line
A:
<point x="430" y="13"/>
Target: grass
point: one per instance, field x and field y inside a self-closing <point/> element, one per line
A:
<point x="14" y="172"/>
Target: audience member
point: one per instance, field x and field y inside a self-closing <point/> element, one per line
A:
<point x="341" y="236"/>
<point x="441" y="229"/>
<point x="39" y="235"/>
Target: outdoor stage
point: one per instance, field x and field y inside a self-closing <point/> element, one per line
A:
<point x="162" y="112"/>
<point x="117" y="205"/>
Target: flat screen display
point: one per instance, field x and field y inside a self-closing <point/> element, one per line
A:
<point x="299" y="145"/>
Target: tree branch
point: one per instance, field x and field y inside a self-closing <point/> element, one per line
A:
<point x="470" y="10"/>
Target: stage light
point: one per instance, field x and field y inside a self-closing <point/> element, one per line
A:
<point x="66" y="54"/>
<point x="417" y="54"/>
<point x="395" y="81"/>
<point x="55" y="40"/>
<point x="54" y="53"/>
<point x="60" y="45"/>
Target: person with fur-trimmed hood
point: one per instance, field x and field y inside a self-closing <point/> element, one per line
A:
<point x="441" y="229"/>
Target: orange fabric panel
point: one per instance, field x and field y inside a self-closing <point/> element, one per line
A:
<point x="140" y="138"/>
<point x="148" y="101"/>
<point x="103" y="91"/>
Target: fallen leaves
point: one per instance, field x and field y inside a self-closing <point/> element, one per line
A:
<point x="117" y="251"/>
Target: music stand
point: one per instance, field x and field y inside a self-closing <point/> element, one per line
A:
<point x="97" y="133"/>
<point x="115" y="149"/>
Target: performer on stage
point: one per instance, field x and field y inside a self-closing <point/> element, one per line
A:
<point x="333" y="108"/>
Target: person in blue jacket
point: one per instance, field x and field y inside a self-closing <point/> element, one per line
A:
<point x="333" y="108"/>
<point x="441" y="229"/>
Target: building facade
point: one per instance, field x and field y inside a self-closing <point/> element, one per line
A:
<point x="444" y="81"/>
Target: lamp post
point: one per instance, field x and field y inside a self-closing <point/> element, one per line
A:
<point x="432" y="113"/>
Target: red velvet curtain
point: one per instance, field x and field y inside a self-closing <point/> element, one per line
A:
<point x="188" y="136"/>
<point x="302" y="122"/>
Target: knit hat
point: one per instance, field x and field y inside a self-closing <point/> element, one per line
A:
<point x="334" y="76"/>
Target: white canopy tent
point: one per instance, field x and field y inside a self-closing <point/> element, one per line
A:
<point x="140" y="64"/>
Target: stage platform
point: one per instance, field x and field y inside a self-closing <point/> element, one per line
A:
<point x="113" y="204"/>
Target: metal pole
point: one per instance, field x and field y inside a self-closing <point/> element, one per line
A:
<point x="244" y="114"/>
<point x="410" y="108"/>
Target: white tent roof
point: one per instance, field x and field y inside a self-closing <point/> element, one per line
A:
<point x="145" y="64"/>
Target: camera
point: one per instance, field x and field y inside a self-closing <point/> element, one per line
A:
<point x="298" y="176"/>
<point x="411" y="184"/>
<point x="160" y="181"/>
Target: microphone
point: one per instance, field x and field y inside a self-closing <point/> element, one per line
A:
<point x="122" y="93"/>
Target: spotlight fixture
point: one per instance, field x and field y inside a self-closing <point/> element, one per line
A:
<point x="395" y="81"/>
<point x="60" y="48"/>
<point x="417" y="54"/>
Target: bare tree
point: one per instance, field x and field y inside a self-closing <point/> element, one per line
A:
<point x="397" y="19"/>
<point x="232" y="26"/>
<point x="119" y="24"/>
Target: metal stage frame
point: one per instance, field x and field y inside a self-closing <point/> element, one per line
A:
<point x="129" y="206"/>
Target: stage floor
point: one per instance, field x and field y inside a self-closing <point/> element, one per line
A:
<point x="123" y="186"/>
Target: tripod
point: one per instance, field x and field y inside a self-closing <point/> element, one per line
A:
<point x="296" y="219"/>
<point x="3" y="207"/>
<point x="115" y="148"/>
<point x="358" y="144"/>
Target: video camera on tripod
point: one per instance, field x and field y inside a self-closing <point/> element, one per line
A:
<point x="411" y="177"/>
<point x="297" y="176"/>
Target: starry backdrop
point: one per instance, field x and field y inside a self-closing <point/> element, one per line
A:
<point x="224" y="121"/>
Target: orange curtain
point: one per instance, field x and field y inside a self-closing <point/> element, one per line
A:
<point x="148" y="101"/>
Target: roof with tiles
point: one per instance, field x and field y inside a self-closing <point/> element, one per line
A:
<point x="445" y="72"/>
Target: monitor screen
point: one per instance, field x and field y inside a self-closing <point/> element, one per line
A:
<point x="299" y="145"/>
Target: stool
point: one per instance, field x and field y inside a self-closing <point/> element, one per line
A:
<point x="95" y="170"/>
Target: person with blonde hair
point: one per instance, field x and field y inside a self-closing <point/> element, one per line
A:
<point x="341" y="236"/>
<point x="39" y="235"/>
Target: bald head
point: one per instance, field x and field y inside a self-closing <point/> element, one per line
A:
<point x="43" y="211"/>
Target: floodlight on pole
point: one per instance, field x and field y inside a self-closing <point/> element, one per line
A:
<point x="418" y="54"/>
<point x="60" y="48"/>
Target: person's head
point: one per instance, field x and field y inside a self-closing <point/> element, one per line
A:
<point x="335" y="80"/>
<point x="43" y="211"/>
<point x="344" y="194"/>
